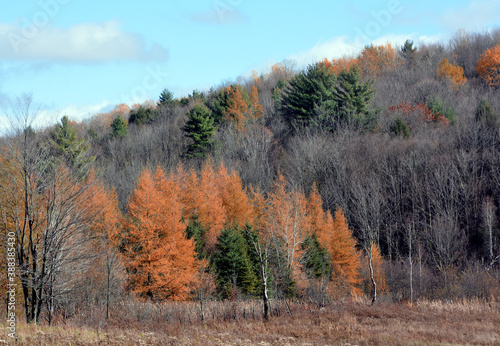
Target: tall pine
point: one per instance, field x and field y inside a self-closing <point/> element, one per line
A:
<point x="200" y="128"/>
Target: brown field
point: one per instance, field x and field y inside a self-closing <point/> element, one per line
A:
<point x="347" y="323"/>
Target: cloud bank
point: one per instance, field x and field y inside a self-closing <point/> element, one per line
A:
<point x="83" y="43"/>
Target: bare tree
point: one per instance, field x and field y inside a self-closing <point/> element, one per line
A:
<point x="46" y="209"/>
<point x="489" y="222"/>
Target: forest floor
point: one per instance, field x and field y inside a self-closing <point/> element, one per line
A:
<point x="351" y="323"/>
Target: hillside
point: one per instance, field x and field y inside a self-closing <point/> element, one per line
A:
<point x="373" y="174"/>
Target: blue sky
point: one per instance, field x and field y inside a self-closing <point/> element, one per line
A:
<point x="83" y="57"/>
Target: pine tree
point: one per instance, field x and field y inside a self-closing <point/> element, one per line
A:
<point x="307" y="92"/>
<point x="67" y="146"/>
<point x="166" y="98"/>
<point x="200" y="128"/>
<point x="232" y="263"/>
<point x="316" y="258"/>
<point x="119" y="127"/>
<point x="352" y="97"/>
<point x="408" y="50"/>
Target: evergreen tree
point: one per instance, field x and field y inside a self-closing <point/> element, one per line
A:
<point x="166" y="98"/>
<point x="485" y="113"/>
<point x="315" y="258"/>
<point x="67" y="146"/>
<point x="408" y="50"/>
<point x="305" y="93"/>
<point x="119" y="127"/>
<point x="232" y="263"/>
<point x="437" y="107"/>
<point x="400" y="128"/>
<point x="196" y="232"/>
<point x="200" y="128"/>
<point x="352" y="96"/>
<point x="142" y="115"/>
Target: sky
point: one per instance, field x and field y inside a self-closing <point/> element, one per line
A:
<point x="79" y="58"/>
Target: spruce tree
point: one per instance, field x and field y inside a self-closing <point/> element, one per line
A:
<point x="200" y="128"/>
<point x="166" y="98"/>
<point x="305" y="93"/>
<point x="119" y="128"/>
<point x="352" y="96"/>
<point x="232" y="263"/>
<point x="69" y="147"/>
<point x="315" y="258"/>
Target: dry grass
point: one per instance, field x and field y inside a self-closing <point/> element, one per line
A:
<point x="347" y="323"/>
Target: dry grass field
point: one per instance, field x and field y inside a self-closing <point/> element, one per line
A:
<point x="347" y="323"/>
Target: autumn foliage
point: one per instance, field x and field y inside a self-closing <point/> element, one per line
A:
<point x="417" y="114"/>
<point x="242" y="108"/>
<point x="455" y="74"/>
<point x="375" y="60"/>
<point x="488" y="66"/>
<point x="338" y="65"/>
<point x="334" y="234"/>
<point x="159" y="258"/>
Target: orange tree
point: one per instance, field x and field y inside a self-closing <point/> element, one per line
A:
<point x="455" y="74"/>
<point x="159" y="258"/>
<point x="488" y="66"/>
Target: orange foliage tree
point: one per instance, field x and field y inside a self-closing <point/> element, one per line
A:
<point x="203" y="204"/>
<point x="376" y="59"/>
<point x="238" y="107"/>
<point x="341" y="64"/>
<point x="335" y="235"/>
<point x="455" y="74"/>
<point x="345" y="258"/>
<point x="160" y="260"/>
<point x="257" y="110"/>
<point x="488" y="66"/>
<point x="234" y="198"/>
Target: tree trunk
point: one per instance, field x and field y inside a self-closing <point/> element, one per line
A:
<point x="372" y="276"/>
<point x="264" y="293"/>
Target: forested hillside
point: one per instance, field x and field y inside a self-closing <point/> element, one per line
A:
<point x="377" y="174"/>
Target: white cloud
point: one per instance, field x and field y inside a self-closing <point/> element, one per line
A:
<point x="334" y="48"/>
<point x="48" y="117"/>
<point x="341" y="46"/>
<point x="477" y="15"/>
<point x="83" y="43"/>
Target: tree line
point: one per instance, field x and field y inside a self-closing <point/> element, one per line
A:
<point x="227" y="193"/>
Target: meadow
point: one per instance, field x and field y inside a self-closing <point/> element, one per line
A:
<point x="351" y="322"/>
